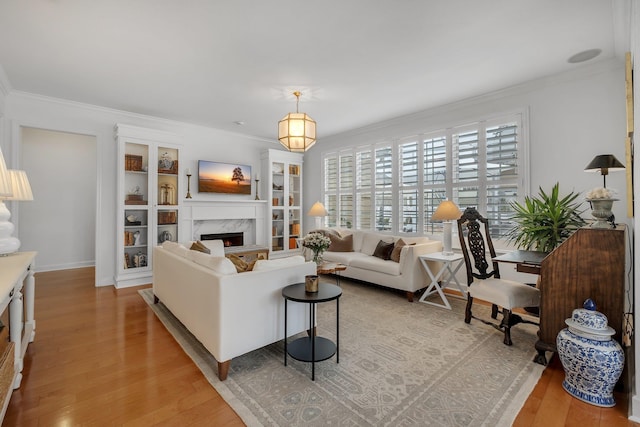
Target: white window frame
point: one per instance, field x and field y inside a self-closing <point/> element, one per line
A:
<point x="520" y="117"/>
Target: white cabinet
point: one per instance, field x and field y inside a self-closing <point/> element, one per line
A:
<point x="284" y="195"/>
<point x="148" y="199"/>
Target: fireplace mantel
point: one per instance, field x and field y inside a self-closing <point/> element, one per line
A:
<point x="196" y="212"/>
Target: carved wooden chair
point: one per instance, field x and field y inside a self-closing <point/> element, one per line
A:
<point x="487" y="285"/>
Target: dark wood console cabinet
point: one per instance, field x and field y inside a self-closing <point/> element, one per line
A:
<point x="589" y="264"/>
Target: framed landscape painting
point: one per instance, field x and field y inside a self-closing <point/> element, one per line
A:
<point x="228" y="178"/>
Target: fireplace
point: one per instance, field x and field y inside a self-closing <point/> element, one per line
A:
<point x="229" y="239"/>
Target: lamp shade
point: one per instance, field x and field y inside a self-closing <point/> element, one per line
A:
<point x="317" y="209"/>
<point x="21" y="190"/>
<point x="604" y="163"/>
<point x="446" y="211"/>
<point x="5" y="180"/>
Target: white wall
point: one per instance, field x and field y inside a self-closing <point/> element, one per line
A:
<point x="573" y="117"/>
<point x="26" y="110"/>
<point x="62" y="172"/>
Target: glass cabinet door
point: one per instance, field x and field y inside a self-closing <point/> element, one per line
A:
<point x="167" y="195"/>
<point x="136" y="202"/>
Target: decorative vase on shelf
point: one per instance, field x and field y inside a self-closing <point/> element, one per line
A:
<point x="591" y="359"/>
<point x="601" y="212"/>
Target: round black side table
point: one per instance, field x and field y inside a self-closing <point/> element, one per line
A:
<point x="312" y="348"/>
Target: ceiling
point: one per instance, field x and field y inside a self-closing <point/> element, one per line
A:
<point x="356" y="62"/>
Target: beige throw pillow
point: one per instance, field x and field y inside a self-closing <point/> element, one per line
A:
<point x="341" y="244"/>
<point x="397" y="248"/>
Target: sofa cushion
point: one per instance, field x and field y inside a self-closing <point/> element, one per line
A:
<point x="341" y="244"/>
<point x="176" y="248"/>
<point x="397" y="248"/>
<point x="218" y="264"/>
<point x="376" y="264"/>
<point x="383" y="250"/>
<point x="272" y="264"/>
<point x="342" y="257"/>
<point x="198" y="246"/>
<point x="215" y="246"/>
<point x="370" y="242"/>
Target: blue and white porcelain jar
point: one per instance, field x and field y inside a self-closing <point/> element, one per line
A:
<point x="591" y="359"/>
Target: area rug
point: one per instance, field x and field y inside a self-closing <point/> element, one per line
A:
<point x="400" y="364"/>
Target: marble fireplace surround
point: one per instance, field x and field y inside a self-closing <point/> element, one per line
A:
<point x="226" y="216"/>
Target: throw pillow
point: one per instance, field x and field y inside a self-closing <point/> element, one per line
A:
<point x="370" y="242"/>
<point x="251" y="264"/>
<point x="198" y="246"/>
<point x="241" y="265"/>
<point x="341" y="244"/>
<point x="397" y="248"/>
<point x="383" y="250"/>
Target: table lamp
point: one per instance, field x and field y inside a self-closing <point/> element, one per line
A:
<point x="604" y="163"/>
<point x="318" y="210"/>
<point x="20" y="190"/>
<point x="446" y="212"/>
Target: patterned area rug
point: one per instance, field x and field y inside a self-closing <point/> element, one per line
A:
<point x="400" y="364"/>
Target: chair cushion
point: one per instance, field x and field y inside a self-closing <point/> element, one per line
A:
<point x="505" y="293"/>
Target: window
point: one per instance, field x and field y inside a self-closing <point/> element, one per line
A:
<point x="396" y="186"/>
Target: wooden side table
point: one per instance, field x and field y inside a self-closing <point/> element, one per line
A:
<point x="450" y="264"/>
<point x="331" y="268"/>
<point x="312" y="348"/>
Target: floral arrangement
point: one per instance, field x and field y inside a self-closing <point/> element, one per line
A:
<point x="318" y="243"/>
<point x="600" y="193"/>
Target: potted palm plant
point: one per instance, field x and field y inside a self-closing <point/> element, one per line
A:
<point x="545" y="221"/>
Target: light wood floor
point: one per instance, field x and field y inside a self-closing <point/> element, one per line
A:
<point x="101" y="357"/>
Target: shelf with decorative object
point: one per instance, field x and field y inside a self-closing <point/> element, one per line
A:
<point x="284" y="192"/>
<point x="148" y="200"/>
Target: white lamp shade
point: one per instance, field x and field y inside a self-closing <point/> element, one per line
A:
<point x="5" y="180"/>
<point x="446" y="211"/>
<point x="21" y="190"/>
<point x="317" y="209"/>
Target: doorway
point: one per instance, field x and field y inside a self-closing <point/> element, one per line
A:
<point x="60" y="222"/>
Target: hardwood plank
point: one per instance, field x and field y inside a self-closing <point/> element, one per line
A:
<point x="101" y="357"/>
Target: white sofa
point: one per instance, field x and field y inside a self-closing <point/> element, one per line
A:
<point x="407" y="275"/>
<point x="230" y="313"/>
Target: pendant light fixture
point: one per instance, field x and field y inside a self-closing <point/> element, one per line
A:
<point x="297" y="131"/>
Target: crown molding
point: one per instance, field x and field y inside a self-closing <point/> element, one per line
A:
<point x="33" y="97"/>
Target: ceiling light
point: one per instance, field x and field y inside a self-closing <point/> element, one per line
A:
<point x="297" y="131"/>
<point x="585" y="55"/>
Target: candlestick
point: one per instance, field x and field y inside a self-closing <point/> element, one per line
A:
<point x="257" y="181"/>
<point x="188" y="184"/>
